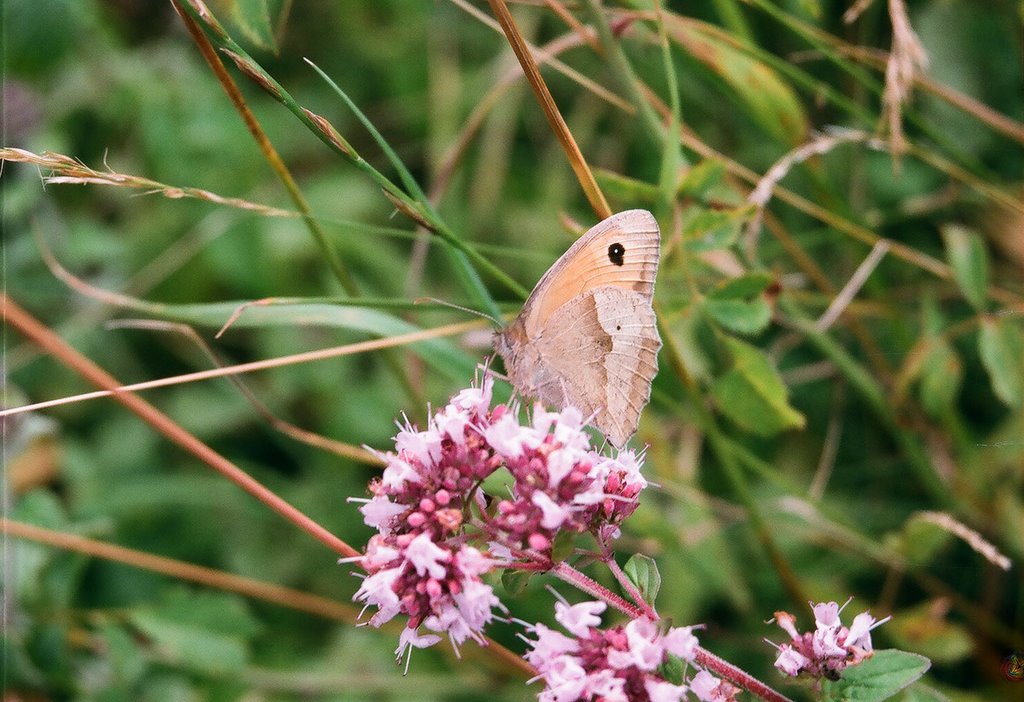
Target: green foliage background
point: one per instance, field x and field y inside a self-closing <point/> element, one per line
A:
<point x="791" y="462"/>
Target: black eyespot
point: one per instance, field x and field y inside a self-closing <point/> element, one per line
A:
<point x="618" y="327"/>
<point x="616" y="252"/>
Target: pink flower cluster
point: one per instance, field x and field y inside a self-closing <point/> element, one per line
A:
<point x="830" y="648"/>
<point x="620" y="664"/>
<point x="429" y="509"/>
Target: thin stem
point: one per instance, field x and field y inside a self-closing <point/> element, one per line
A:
<point x="547" y="103"/>
<point x="628" y="586"/>
<point x="735" y="675"/>
<point x="565" y="572"/>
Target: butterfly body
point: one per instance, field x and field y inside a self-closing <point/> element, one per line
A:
<point x="587" y="335"/>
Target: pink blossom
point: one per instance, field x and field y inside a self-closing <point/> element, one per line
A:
<point x="830" y="648"/>
<point x="379" y="512"/>
<point x="433" y="517"/>
<point x="619" y="663"/>
<point x="708" y="688"/>
<point x="661" y="691"/>
<point x="578" y="618"/>
<point x="425" y="557"/>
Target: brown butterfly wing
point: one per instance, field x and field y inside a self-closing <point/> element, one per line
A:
<point x="599" y="353"/>
<point x="620" y="252"/>
<point x="587" y="335"/>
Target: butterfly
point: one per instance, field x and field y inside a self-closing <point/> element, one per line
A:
<point x="587" y="335"/>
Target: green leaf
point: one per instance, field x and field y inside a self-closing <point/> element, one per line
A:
<point x="878" y="678"/>
<point x="921" y="540"/>
<point x="498" y="483"/>
<point x="941" y="378"/>
<point x="740" y="316"/>
<point x="753" y="395"/>
<point x="742" y="287"/>
<point x="1002" y="350"/>
<point x="515" y="581"/>
<point x="643" y="572"/>
<point x="966" y="253"/>
<point x="441" y="354"/>
<point x="702" y="178"/>
<point x="923" y="693"/>
<point x="711" y="230"/>
<point x="565" y="542"/>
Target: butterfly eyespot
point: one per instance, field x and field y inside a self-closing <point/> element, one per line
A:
<point x="616" y="252"/>
<point x="618" y="327"/>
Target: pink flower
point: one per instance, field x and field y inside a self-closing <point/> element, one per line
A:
<point x="425" y="557"/>
<point x="708" y="688"/>
<point x="578" y="618"/>
<point x="830" y="648"/>
<point x="620" y="663"/>
<point x="432" y="514"/>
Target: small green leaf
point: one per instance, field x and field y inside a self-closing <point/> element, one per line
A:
<point x="742" y="287"/>
<point x="202" y="631"/>
<point x="879" y="677"/>
<point x="563" y="547"/>
<point x="515" y="581"/>
<point x="711" y="230"/>
<point x="966" y="253"/>
<point x="702" y="178"/>
<point x="1002" y="350"/>
<point x="921" y="540"/>
<point x="643" y="572"/>
<point x="923" y="693"/>
<point x="753" y="395"/>
<point x="740" y="316"/>
<point x="673" y="669"/>
<point x="941" y="377"/>
<point x="498" y="483"/>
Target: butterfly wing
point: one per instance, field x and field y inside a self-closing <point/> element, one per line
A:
<point x="620" y="252"/>
<point x="587" y="335"/>
<point x="599" y="353"/>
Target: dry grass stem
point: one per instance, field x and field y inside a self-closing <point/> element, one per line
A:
<point x="969" y="536"/>
<point x="65" y="170"/>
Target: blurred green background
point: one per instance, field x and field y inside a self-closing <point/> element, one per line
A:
<point x="834" y="477"/>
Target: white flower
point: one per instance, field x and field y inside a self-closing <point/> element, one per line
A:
<point x="424" y="446"/>
<point x="426" y="557"/>
<point x="398" y="473"/>
<point x="790" y="661"/>
<point x="860" y="631"/>
<point x="553" y="514"/>
<point x="412" y="638"/>
<point x="680" y="641"/>
<point x="550" y="644"/>
<point x="607" y="686"/>
<point x="646" y="649"/>
<point x="661" y="691"/>
<point x="380" y="511"/>
<point x="507" y="436"/>
<point x="705" y="686"/>
<point x="578" y="619"/>
<point x="378" y="590"/>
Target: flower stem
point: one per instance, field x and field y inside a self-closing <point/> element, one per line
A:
<point x="737" y="676"/>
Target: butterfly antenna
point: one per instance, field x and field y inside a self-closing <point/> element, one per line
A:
<point x="478" y="313"/>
